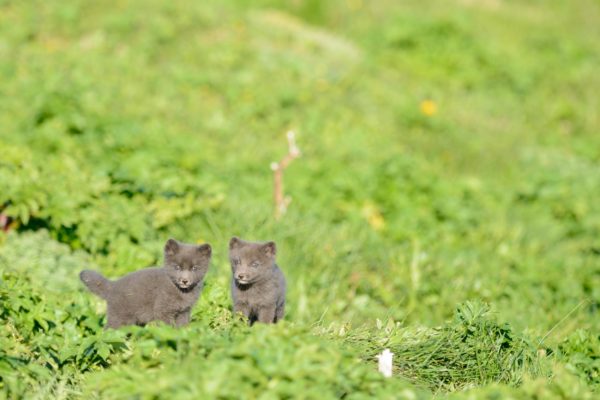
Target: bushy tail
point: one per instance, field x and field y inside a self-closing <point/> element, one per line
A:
<point x="95" y="282"/>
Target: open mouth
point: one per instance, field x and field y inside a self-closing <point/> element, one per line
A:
<point x="242" y="281"/>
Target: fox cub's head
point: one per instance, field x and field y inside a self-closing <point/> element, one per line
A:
<point x="186" y="264"/>
<point x="251" y="261"/>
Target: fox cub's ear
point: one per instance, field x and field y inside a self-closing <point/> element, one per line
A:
<point x="234" y="242"/>
<point x="270" y="249"/>
<point x="205" y="250"/>
<point x="171" y="247"/>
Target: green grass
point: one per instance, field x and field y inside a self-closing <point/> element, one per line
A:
<point x="467" y="241"/>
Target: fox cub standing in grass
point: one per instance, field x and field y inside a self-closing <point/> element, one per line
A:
<point x="166" y="294"/>
<point x="257" y="285"/>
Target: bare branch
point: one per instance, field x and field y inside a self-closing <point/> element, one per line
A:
<point x="282" y="202"/>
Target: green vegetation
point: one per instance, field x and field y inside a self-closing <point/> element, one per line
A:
<point x="445" y="205"/>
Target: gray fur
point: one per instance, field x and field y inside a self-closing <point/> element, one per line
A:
<point x="257" y="284"/>
<point x="166" y="294"/>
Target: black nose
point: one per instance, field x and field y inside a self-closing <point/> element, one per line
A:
<point x="184" y="281"/>
<point x="241" y="276"/>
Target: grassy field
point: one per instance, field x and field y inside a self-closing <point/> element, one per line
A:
<point x="446" y="205"/>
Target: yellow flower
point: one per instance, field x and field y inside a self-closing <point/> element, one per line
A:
<point x="373" y="216"/>
<point x="428" y="107"/>
<point x="355" y="4"/>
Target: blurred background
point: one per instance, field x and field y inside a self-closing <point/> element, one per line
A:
<point x="450" y="149"/>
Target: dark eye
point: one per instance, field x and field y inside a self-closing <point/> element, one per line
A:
<point x="178" y="268"/>
<point x="194" y="268"/>
<point x="254" y="264"/>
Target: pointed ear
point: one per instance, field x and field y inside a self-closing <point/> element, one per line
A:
<point x="234" y="242"/>
<point x="269" y="249"/>
<point x="171" y="247"/>
<point x="205" y="250"/>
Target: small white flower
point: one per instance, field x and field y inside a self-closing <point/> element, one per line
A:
<point x="385" y="362"/>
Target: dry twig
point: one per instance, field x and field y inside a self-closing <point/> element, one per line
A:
<point x="281" y="201"/>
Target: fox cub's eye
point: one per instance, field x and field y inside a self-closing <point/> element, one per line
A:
<point x="194" y="268"/>
<point x="178" y="267"/>
<point x="254" y="264"/>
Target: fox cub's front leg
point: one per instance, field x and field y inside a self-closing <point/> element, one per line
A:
<point x="266" y="314"/>
<point x="183" y="318"/>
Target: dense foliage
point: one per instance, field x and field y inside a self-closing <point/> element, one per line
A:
<point x="445" y="205"/>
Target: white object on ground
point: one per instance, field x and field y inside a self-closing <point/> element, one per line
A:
<point x="385" y="362"/>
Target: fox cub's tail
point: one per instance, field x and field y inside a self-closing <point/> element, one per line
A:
<point x="95" y="282"/>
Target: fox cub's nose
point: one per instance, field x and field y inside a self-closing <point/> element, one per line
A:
<point x="240" y="276"/>
<point x="184" y="281"/>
